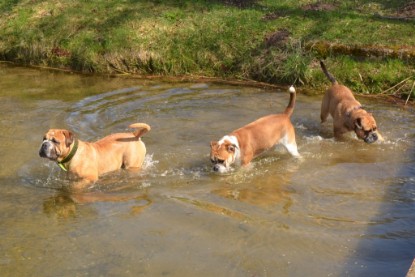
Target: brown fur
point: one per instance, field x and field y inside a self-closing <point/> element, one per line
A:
<point x="245" y="143"/>
<point x="92" y="159"/>
<point x="347" y="113"/>
<point x="263" y="134"/>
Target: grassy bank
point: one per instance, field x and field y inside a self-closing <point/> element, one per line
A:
<point x="276" y="42"/>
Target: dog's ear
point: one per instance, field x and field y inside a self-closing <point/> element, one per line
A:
<point x="213" y="144"/>
<point x="358" y="123"/>
<point x="69" y="137"/>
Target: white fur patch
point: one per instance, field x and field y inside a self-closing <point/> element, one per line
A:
<point x="237" y="155"/>
<point x="290" y="146"/>
<point x="231" y="139"/>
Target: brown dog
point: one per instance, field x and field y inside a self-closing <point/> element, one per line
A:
<point x="245" y="143"/>
<point x="88" y="160"/>
<point x="347" y="113"/>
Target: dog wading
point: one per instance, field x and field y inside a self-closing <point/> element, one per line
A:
<point x="347" y="113"/>
<point x="87" y="160"/>
<point x="244" y="144"/>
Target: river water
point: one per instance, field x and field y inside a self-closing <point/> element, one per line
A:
<point x="345" y="209"/>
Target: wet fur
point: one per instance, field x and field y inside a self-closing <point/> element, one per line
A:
<point x="347" y="113"/>
<point x="92" y="159"/>
<point x="247" y="142"/>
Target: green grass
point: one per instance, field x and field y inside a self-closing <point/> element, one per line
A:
<point x="210" y="38"/>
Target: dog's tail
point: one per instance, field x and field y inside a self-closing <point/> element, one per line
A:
<point x="290" y="108"/>
<point x="329" y="76"/>
<point x="141" y="129"/>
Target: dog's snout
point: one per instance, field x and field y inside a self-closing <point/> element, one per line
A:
<point x="45" y="150"/>
<point x="42" y="150"/>
<point x="216" y="168"/>
<point x="372" y="137"/>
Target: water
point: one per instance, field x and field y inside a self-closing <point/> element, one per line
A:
<point x="345" y="209"/>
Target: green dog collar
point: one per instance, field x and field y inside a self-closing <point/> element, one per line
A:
<point x="69" y="157"/>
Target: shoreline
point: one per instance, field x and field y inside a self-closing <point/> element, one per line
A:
<point x="390" y="98"/>
<point x="367" y="47"/>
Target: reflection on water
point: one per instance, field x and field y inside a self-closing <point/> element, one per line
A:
<point x="269" y="193"/>
<point x="345" y="208"/>
<point x="64" y="204"/>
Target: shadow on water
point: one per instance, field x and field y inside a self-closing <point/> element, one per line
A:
<point x="387" y="248"/>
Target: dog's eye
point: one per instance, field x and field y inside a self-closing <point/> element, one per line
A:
<point x="55" y="141"/>
<point x="217" y="161"/>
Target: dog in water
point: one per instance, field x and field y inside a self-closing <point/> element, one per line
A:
<point x="88" y="160"/>
<point x="242" y="145"/>
<point x="347" y="113"/>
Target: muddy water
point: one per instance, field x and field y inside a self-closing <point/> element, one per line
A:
<point x="345" y="209"/>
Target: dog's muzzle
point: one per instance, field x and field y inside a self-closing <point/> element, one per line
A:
<point x="220" y="168"/>
<point x="47" y="151"/>
<point x="371" y="137"/>
<point x="219" y="165"/>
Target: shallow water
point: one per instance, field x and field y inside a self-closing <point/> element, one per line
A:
<point x="345" y="209"/>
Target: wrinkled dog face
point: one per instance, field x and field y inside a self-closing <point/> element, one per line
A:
<point x="366" y="129"/>
<point x="55" y="144"/>
<point x="222" y="155"/>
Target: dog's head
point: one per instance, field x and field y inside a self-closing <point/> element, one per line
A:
<point x="223" y="153"/>
<point x="56" y="144"/>
<point x="365" y="126"/>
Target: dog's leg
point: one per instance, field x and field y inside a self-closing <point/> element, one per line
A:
<point x="133" y="169"/>
<point x="133" y="163"/>
<point x="85" y="181"/>
<point x="338" y="132"/>
<point x="290" y="144"/>
<point x="82" y="184"/>
<point x="292" y="149"/>
<point x="325" y="108"/>
<point x="134" y="155"/>
<point x="248" y="155"/>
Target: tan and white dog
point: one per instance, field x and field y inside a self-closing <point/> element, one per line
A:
<point x="87" y="161"/>
<point x="244" y="144"/>
<point x="347" y="113"/>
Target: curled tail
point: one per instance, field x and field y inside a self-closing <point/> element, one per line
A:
<point x="290" y="108"/>
<point x="329" y="76"/>
<point x="141" y="129"/>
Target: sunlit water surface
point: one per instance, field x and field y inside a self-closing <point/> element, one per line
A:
<point x="345" y="209"/>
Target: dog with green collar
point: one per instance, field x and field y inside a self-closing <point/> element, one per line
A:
<point x="88" y="160"/>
